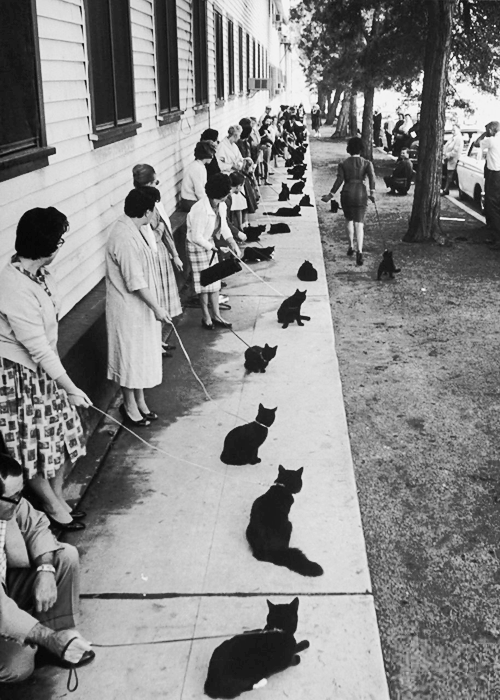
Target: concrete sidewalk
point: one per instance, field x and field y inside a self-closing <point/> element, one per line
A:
<point x="164" y="555"/>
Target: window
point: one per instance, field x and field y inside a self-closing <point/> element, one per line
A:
<point x="22" y="130"/>
<point x="166" y="55"/>
<point x="112" y="85"/>
<point x="219" y="56"/>
<point x="230" y="55"/>
<point x="266" y="65"/>
<point x="258" y="62"/>
<point x="254" y="74"/>
<point x="240" y="58"/>
<point x="248" y="59"/>
<point x="200" y="51"/>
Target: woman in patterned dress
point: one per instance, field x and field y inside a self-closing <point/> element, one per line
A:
<point x="133" y="312"/>
<point x="353" y="198"/>
<point x="208" y="218"/>
<point x="161" y="237"/>
<point x="38" y="422"/>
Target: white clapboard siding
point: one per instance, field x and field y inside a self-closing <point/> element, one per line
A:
<point x="89" y="185"/>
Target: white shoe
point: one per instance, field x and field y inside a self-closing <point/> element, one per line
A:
<point x="223" y="299"/>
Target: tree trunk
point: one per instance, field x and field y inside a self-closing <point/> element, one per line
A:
<point x="332" y="112"/>
<point x="353" y="114"/>
<point x="367" y="126"/>
<point x="343" y="121"/>
<point x="424" y="221"/>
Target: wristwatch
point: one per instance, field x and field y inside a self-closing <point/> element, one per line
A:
<point x="46" y="567"/>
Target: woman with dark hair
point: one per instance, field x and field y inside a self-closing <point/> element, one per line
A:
<point x="38" y="421"/>
<point x="133" y="312"/>
<point x="352" y="172"/>
<point x="206" y="220"/>
<point x="195" y="175"/>
<point x="212" y="136"/>
<point x="160" y="238"/>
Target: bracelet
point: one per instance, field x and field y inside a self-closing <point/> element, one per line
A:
<point x="46" y="567"/>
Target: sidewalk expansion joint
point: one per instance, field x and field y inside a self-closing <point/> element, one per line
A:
<point x="162" y="596"/>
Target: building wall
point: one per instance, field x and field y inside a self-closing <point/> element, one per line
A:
<point x="89" y="185"/>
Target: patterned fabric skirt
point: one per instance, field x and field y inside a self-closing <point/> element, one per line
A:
<point x="168" y="293"/>
<point x="200" y="260"/>
<point x="37" y="422"/>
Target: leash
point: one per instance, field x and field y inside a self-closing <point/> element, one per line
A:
<point x="186" y="639"/>
<point x="255" y="274"/>
<point x="240" y="338"/>
<point x="379" y="224"/>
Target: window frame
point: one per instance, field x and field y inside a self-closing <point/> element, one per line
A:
<point x="241" y="66"/>
<point x="102" y="135"/>
<point x="34" y="157"/>
<point x="172" y="111"/>
<point x="248" y="45"/>
<point x="200" y="51"/>
<point x="231" y="89"/>
<point x="219" y="55"/>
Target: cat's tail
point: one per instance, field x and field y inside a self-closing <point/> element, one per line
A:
<point x="293" y="558"/>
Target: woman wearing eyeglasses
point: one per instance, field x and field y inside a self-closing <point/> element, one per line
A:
<point x="38" y="422"/>
<point x="161" y="239"/>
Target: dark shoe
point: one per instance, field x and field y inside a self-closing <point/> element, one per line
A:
<point x="149" y="416"/>
<point x="87" y="657"/>
<point x="207" y="326"/>
<point x="359" y="258"/>
<point x="73" y="526"/>
<point x="166" y="354"/>
<point x="78" y="514"/>
<point x="222" y="324"/>
<point x="445" y="192"/>
<point x="143" y="423"/>
<point x="224" y="307"/>
<point x="167" y="346"/>
<point x="350" y="252"/>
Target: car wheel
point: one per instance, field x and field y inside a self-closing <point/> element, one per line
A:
<point x="478" y="199"/>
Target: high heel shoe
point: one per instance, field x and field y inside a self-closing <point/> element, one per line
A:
<point x="151" y="415"/>
<point x="221" y="323"/>
<point x="78" y="514"/>
<point x="73" y="526"/>
<point x="143" y="423"/>
<point x="207" y="326"/>
<point x="359" y="258"/>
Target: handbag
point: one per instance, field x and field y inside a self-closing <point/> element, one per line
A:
<point x="222" y="269"/>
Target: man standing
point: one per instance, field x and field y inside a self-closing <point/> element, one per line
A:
<point x="400" y="180"/>
<point x="39" y="585"/>
<point x="267" y="113"/>
<point x="451" y="153"/>
<point x="491" y="145"/>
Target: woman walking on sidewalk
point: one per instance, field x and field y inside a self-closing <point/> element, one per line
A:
<point x="38" y="422"/>
<point x="354" y="198"/>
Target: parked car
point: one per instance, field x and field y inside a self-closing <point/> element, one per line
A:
<point x="470" y="174"/>
<point x="468" y="133"/>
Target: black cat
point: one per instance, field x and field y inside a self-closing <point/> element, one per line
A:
<point x="246" y="661"/>
<point x="289" y="310"/>
<point x="307" y="272"/>
<point x="387" y="266"/>
<point x="279" y="228"/>
<point x="257" y="358"/>
<point x="269" y="530"/>
<point x="284" y="195"/>
<point x="305" y="201"/>
<point x="289" y="162"/>
<point x="298" y="170"/>
<point x="284" y="211"/>
<point x="298" y="187"/>
<point x="252" y="254"/>
<point x="241" y="445"/>
<point x="253" y="233"/>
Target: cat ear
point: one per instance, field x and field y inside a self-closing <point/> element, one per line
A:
<point x="274" y="409"/>
<point x="299" y="471"/>
<point x="270" y="605"/>
<point x="261" y="407"/>
<point x="281" y="469"/>
<point x="295" y="604"/>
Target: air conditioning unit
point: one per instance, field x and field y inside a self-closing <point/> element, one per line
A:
<point x="258" y="83"/>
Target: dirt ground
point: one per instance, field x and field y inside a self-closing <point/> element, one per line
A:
<point x="420" y="370"/>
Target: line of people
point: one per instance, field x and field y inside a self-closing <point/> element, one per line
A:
<point x="41" y="435"/>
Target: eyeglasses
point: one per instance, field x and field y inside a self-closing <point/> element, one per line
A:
<point x="14" y="500"/>
<point x="61" y="242"/>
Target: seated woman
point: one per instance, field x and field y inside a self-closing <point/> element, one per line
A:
<point x="38" y="421"/>
<point x="195" y="175"/>
<point x="237" y="202"/>
<point x="228" y="154"/>
<point x="206" y="220"/>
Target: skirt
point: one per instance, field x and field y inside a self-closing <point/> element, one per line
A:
<point x="168" y="293"/>
<point x="353" y="200"/>
<point x="238" y="202"/>
<point x="200" y="260"/>
<point x="37" y="422"/>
